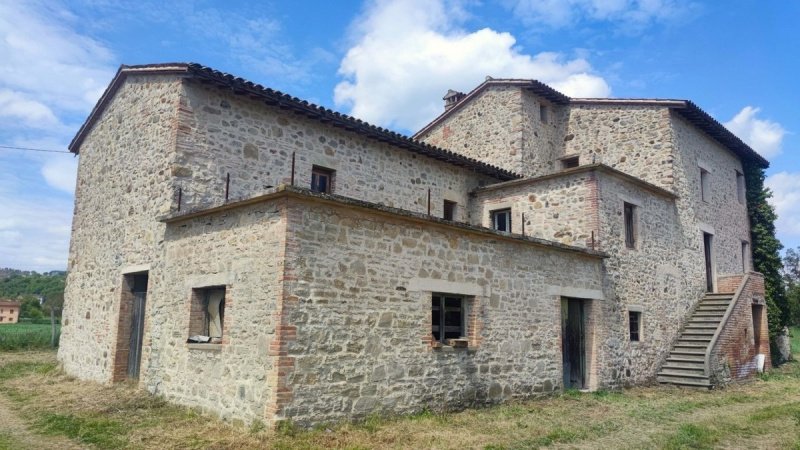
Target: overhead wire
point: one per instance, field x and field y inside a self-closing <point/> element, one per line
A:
<point x="30" y="149"/>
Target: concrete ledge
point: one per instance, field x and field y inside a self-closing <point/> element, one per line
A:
<point x="206" y="347"/>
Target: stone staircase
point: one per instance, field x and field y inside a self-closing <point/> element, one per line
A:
<point x="685" y="365"/>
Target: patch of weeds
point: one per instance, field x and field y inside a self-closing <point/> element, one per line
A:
<point x="494" y="447"/>
<point x="102" y="432"/>
<point x="372" y="423"/>
<point x="426" y="413"/>
<point x="662" y="412"/>
<point x="22" y="368"/>
<point x="285" y="428"/>
<point x="608" y="396"/>
<point x="691" y="436"/>
<point x="775" y="411"/>
<point x="257" y="426"/>
<point x="7" y="442"/>
<point x="604" y="428"/>
<point x="571" y="393"/>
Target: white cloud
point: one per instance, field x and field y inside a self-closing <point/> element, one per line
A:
<point x="60" y="172"/>
<point x="407" y="54"/>
<point x="785" y="187"/>
<point x="634" y="15"/>
<point x="34" y="114"/>
<point x="764" y="136"/>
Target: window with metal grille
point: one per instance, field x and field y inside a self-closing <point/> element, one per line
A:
<point x="322" y="180"/>
<point x="447" y="317"/>
<point x="630" y="225"/>
<point x="635" y="325"/>
<point x="501" y="220"/>
<point x="449" y="210"/>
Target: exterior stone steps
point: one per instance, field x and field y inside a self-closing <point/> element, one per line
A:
<point x="685" y="365"/>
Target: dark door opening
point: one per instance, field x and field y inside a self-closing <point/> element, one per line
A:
<point x="758" y="310"/>
<point x="708" y="240"/>
<point x="573" y="343"/>
<point x="139" y="291"/>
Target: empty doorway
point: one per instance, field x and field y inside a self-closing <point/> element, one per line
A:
<point x="130" y="327"/>
<point x="708" y="253"/>
<point x="573" y="342"/>
<point x="758" y="310"/>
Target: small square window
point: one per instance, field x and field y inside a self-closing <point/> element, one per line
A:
<point x="322" y="180"/>
<point x="449" y="210"/>
<point x="740" y="187"/>
<point x="207" y="315"/>
<point x="635" y="325"/>
<point x="543" y="113"/>
<point x="630" y="225"/>
<point x="501" y="220"/>
<point x="570" y="162"/>
<point x="447" y="317"/>
<point x="705" y="188"/>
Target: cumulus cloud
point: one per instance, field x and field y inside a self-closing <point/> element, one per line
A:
<point x="31" y="113"/>
<point x="764" y="136"/>
<point x="633" y="15"/>
<point x="785" y="187"/>
<point x="407" y="54"/>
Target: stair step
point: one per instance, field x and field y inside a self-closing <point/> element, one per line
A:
<point x="701" y="326"/>
<point x="711" y="309"/>
<point x="686" y="358"/>
<point x="691" y="345"/>
<point x="704" y="320"/>
<point x="682" y="381"/>
<point x="684" y="365"/>
<point x="715" y="315"/>
<point x="715" y="303"/>
<point x="716" y="295"/>
<point x="682" y="373"/>
<point x="698" y="332"/>
<point x="684" y="352"/>
<point x="694" y="339"/>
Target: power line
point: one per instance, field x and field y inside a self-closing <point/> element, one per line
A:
<point x="28" y="149"/>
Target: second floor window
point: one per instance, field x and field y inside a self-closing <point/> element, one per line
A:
<point x="630" y="225"/>
<point x="322" y="180"/>
<point x="449" y="210"/>
<point x="501" y="220"/>
<point x="705" y="188"/>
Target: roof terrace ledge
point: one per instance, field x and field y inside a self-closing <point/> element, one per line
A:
<point x="596" y="167"/>
<point x="286" y="191"/>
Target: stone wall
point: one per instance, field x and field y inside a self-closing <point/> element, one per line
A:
<point x="222" y="133"/>
<point x="658" y="278"/>
<point x="362" y="284"/>
<point x="542" y="141"/>
<point x="487" y="128"/>
<point x="733" y="357"/>
<point x="722" y="215"/>
<point x="123" y="184"/>
<point x="558" y="208"/>
<point x="244" y="252"/>
<point x="636" y="140"/>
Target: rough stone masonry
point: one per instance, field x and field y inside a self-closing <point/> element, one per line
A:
<point x="521" y="243"/>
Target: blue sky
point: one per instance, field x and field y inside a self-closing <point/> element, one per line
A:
<point x="387" y="62"/>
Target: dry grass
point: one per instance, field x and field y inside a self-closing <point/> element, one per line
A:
<point x="761" y="414"/>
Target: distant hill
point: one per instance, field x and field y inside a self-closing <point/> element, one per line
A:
<point x="6" y="272"/>
<point x="23" y="283"/>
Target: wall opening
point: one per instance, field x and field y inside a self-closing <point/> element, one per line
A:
<point x="758" y="311"/>
<point x="708" y="254"/>
<point x="130" y="329"/>
<point x="574" y="332"/>
<point x="449" y="210"/>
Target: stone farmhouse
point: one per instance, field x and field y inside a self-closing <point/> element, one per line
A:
<point x="265" y="259"/>
<point x="9" y="311"/>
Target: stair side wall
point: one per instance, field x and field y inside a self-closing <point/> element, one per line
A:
<point x="734" y="356"/>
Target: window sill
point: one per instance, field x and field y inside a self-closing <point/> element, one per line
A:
<point x="207" y="347"/>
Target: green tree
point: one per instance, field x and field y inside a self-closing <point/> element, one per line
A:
<point x="791" y="277"/>
<point x="766" y="248"/>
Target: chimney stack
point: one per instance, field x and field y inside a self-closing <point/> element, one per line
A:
<point x="451" y="98"/>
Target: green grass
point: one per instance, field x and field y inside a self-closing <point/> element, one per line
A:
<point x="25" y="336"/>
<point x="8" y="442"/>
<point x="691" y="436"/>
<point x="102" y="432"/>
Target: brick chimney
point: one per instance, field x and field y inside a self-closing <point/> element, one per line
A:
<point x="451" y="98"/>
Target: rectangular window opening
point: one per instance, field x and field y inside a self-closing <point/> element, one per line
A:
<point x="207" y="315"/>
<point x="501" y="220"/>
<point x="448" y="317"/>
<point x="449" y="210"/>
<point x="635" y="325"/>
<point x="543" y="113"/>
<point x="740" y="187"/>
<point x="630" y="225"/>
<point x="322" y="179"/>
<point x="705" y="188"/>
<point x="570" y="162"/>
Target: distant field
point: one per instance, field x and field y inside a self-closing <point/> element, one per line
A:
<point x="25" y="336"/>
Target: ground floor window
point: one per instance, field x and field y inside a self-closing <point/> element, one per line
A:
<point x="207" y="315"/>
<point x="447" y="317"/>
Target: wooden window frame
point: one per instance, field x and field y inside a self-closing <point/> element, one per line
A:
<point x="494" y="214"/>
<point x="629" y="218"/>
<point x="439" y="321"/>
<point x="319" y="171"/>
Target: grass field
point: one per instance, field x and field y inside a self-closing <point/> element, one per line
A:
<point x="53" y="410"/>
<point x="23" y="336"/>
